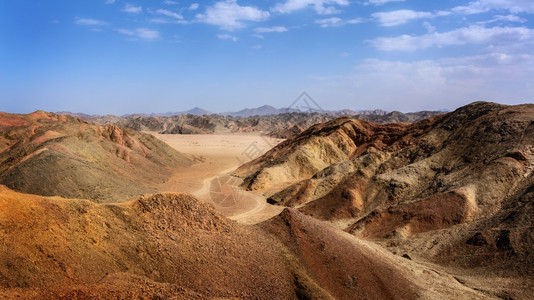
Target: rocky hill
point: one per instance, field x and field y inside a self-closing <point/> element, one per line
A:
<point x="282" y="125"/>
<point x="174" y="246"/>
<point x="55" y="155"/>
<point x="455" y="189"/>
<point x="157" y="246"/>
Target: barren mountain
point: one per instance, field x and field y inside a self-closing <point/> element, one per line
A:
<point x="263" y="110"/>
<point x="348" y="268"/>
<point x="174" y="246"/>
<point x="47" y="154"/>
<point x="163" y="245"/>
<point x="455" y="189"/>
<point x="280" y="125"/>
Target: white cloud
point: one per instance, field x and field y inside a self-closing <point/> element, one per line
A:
<point x="471" y="9"/>
<point x="494" y="37"/>
<point x="323" y="7"/>
<point x="336" y="22"/>
<point x="169" y="13"/>
<point x="230" y="16"/>
<point x="416" y="85"/>
<point x="110" y="1"/>
<point x="381" y="2"/>
<point x="227" y="37"/>
<point x="330" y="22"/>
<point x="91" y="22"/>
<point x="429" y="28"/>
<point x="398" y="17"/>
<point x="270" y="29"/>
<point x="329" y="10"/>
<point x="144" y="33"/>
<point x="164" y="21"/>
<point x="147" y="33"/>
<point x="193" y="6"/>
<point x="355" y="21"/>
<point x="507" y="18"/>
<point x="482" y="6"/>
<point x="130" y="8"/>
<point x="170" y="2"/>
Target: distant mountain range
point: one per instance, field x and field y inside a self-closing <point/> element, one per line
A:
<point x="265" y="110"/>
<point x="275" y="122"/>
<point x="197" y="111"/>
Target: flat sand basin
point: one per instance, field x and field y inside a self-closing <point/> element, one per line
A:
<point x="216" y="156"/>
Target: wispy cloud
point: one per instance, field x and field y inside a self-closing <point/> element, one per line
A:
<point x="147" y="33"/>
<point x="330" y="22"/>
<point x="91" y="22"/>
<point x="164" y="20"/>
<point x="456" y="81"/>
<point x="169" y="2"/>
<point x="143" y="33"/>
<point x="381" y="2"/>
<point x="193" y="6"/>
<point x="494" y="36"/>
<point x="502" y="18"/>
<point x="169" y="13"/>
<point x="229" y="15"/>
<point x="482" y="6"/>
<point x="110" y="1"/>
<point x="356" y="21"/>
<point x="270" y="29"/>
<point x="398" y="17"/>
<point x="323" y="7"/>
<point x="130" y="8"/>
<point x="336" y="22"/>
<point x="429" y="27"/>
<point x="227" y="37"/>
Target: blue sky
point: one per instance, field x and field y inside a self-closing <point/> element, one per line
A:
<point x="118" y="57"/>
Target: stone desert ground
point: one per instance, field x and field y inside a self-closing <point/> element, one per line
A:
<point x="346" y="209"/>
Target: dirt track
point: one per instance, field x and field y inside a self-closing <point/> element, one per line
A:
<point x="216" y="156"/>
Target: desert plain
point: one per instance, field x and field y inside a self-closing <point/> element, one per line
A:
<point x="210" y="179"/>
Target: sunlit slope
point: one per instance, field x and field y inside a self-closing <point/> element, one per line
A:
<point x="48" y="154"/>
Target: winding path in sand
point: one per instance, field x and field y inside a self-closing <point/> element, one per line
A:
<point x="209" y="179"/>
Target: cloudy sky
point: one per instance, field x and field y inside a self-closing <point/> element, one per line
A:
<point x="128" y="56"/>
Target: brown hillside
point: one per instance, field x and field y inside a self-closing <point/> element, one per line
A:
<point x="349" y="268"/>
<point x="159" y="244"/>
<point x="459" y="184"/>
<point x="316" y="148"/>
<point x="172" y="246"/>
<point x="47" y="154"/>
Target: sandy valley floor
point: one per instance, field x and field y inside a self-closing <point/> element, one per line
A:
<point x="217" y="155"/>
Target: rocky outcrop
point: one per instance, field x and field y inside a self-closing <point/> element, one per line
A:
<point x="449" y="181"/>
<point x="47" y="154"/>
